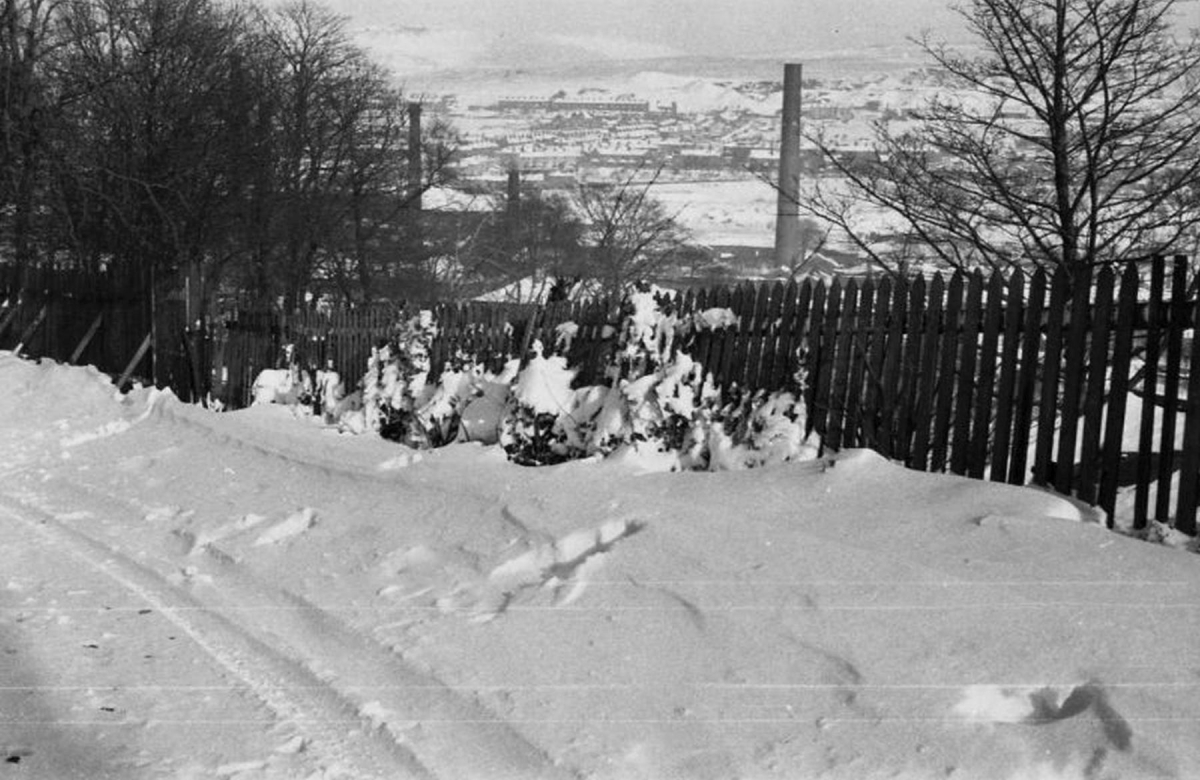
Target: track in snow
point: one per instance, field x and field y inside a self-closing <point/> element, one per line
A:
<point x="356" y="703"/>
<point x="329" y="726"/>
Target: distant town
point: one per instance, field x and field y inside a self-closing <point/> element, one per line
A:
<point x="710" y="142"/>
<point x="731" y="131"/>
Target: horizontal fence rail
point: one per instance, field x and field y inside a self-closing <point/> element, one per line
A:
<point x="1079" y="383"/>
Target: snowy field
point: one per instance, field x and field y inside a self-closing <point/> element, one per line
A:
<point x="249" y="595"/>
<point x="739" y="212"/>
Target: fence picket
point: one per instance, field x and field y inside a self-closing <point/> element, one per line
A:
<point x="838" y="404"/>
<point x="857" y="352"/>
<point x="873" y="350"/>
<point x="927" y="375"/>
<point x="731" y="337"/>
<point x="910" y="365"/>
<point x="721" y="338"/>
<point x="1145" y="465"/>
<point x="1177" y="317"/>
<point x="756" y="337"/>
<point x="968" y="358"/>
<point x="991" y="327"/>
<point x="1048" y="400"/>
<point x="893" y="350"/>
<point x="771" y="338"/>
<point x="809" y="340"/>
<point x="1074" y="377"/>
<point x="1118" y="392"/>
<point x="1189" y="460"/>
<point x="1098" y="379"/>
<point x="825" y="349"/>
<point x="947" y="367"/>
<point x="1007" y="385"/>
<point x="1026" y="379"/>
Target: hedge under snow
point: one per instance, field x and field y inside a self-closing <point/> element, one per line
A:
<point x="656" y="400"/>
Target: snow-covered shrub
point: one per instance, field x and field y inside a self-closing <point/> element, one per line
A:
<point x="481" y="417"/>
<point x="564" y="336"/>
<point x="394" y="386"/>
<point x="439" y="415"/>
<point x="657" y="399"/>
<point x="542" y="394"/>
<point x="290" y="385"/>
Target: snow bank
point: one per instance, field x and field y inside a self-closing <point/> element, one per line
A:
<point x="834" y="618"/>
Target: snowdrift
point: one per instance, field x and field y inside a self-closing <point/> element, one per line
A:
<point x="836" y="618"/>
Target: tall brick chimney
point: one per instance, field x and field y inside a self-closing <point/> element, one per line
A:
<point x="512" y="205"/>
<point x="415" y="171"/>
<point x="787" y="221"/>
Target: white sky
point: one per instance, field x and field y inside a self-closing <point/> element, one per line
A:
<point x="514" y="31"/>
<point x="764" y="28"/>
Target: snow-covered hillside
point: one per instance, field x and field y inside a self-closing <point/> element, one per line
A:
<point x="249" y="595"/>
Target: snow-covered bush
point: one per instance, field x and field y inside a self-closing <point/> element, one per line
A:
<point x="400" y="402"/>
<point x="658" y="399"/>
<point x="397" y="373"/>
<point x="542" y="393"/>
<point x="290" y="385"/>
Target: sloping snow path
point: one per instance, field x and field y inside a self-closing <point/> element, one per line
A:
<point x="248" y="595"/>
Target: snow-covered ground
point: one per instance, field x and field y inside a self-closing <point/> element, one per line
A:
<point x="250" y="595"/>
<point x="739" y="212"/>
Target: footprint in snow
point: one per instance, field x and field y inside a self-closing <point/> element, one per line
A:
<point x="564" y="566"/>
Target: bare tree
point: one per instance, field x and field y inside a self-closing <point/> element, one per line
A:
<point x="1071" y="140"/>
<point x="629" y="235"/>
<point x="528" y="235"/>
<point x="28" y="39"/>
<point x="140" y="153"/>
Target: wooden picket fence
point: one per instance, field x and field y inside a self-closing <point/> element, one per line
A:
<point x="109" y="319"/>
<point x="1081" y="385"/>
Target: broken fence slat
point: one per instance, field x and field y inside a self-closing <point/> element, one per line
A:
<point x="29" y="331"/>
<point x="9" y="318"/>
<point x="87" y="338"/>
<point x="137" y="358"/>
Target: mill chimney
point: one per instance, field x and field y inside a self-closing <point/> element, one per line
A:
<point x="513" y="203"/>
<point x="513" y="195"/>
<point x="787" y="222"/>
<point x="415" y="171"/>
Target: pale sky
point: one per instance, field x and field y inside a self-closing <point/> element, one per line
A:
<point x="765" y="28"/>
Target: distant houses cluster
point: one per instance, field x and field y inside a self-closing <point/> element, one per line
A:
<point x="620" y="105"/>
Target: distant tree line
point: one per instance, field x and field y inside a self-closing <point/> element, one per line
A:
<point x="257" y="148"/>
<point x="256" y="152"/>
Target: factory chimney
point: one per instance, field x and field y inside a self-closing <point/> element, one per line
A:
<point x="415" y="171"/>
<point x="513" y="203"/>
<point x="787" y="221"/>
